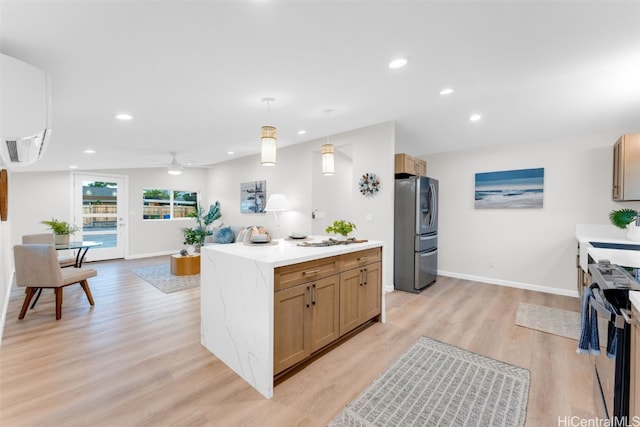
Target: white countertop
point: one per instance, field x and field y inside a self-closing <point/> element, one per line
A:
<point x="605" y="233"/>
<point x="287" y="251"/>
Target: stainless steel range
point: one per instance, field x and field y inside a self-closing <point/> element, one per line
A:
<point x="611" y="301"/>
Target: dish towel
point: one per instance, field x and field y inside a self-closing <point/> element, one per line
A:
<point x="589" y="343"/>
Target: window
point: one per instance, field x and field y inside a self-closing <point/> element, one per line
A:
<point x="168" y="204"/>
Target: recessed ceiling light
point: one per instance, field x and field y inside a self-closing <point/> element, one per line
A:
<point x="89" y="151"/>
<point x="73" y="167"/>
<point x="302" y="132"/>
<point x="447" y="91"/>
<point x="124" y="116"/>
<point x="475" y="117"/>
<point x="398" y="63"/>
<point x="230" y="153"/>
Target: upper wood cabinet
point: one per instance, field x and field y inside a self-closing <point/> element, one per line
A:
<point x="626" y="168"/>
<point x="408" y="165"/>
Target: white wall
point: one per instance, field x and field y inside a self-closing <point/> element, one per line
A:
<point x="37" y="196"/>
<point x="331" y="196"/>
<point x="6" y="269"/>
<point x="531" y="248"/>
<point x="373" y="151"/>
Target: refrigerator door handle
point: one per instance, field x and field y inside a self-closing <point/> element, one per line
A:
<point x="430" y="253"/>
<point x="434" y="205"/>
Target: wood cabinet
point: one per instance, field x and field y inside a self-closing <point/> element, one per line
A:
<point x="626" y="168"/>
<point x="318" y="301"/>
<point x="634" y="380"/>
<point x="408" y="165"/>
<point x="359" y="296"/>
<point x="306" y="319"/>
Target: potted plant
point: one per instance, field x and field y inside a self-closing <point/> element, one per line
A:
<point x="195" y="235"/>
<point x="629" y="219"/>
<point x="341" y="227"/>
<point x="61" y="230"/>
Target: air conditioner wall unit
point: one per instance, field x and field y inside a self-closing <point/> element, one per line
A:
<point x="25" y="112"/>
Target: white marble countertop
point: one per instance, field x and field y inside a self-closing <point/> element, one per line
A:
<point x="237" y="301"/>
<point x="605" y="233"/>
<point x="287" y="251"/>
<point x="634" y="297"/>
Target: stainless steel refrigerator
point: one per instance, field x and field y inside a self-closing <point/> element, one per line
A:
<point x="415" y="233"/>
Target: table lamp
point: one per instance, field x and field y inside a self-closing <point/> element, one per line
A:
<point x="277" y="203"/>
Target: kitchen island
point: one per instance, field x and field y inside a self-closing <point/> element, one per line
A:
<point x="238" y="288"/>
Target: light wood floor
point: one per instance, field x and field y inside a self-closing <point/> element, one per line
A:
<point x="135" y="358"/>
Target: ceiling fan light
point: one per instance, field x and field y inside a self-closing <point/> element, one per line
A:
<point x="174" y="169"/>
<point x="328" y="167"/>
<point x="268" y="136"/>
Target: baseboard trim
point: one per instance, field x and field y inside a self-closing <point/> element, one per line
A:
<point x="137" y="256"/>
<point x="520" y="285"/>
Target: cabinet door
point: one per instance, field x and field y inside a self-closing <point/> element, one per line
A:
<point x="421" y="167"/>
<point x="291" y="337"/>
<point x="325" y="314"/>
<point x="616" y="193"/>
<point x="350" y="284"/>
<point x="370" y="298"/>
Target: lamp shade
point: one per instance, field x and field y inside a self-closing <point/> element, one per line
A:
<point x="328" y="167"/>
<point x="268" y="136"/>
<point x="277" y="202"/>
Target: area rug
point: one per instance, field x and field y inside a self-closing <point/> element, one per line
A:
<point x="160" y="276"/>
<point x="436" y="384"/>
<point x="555" y="321"/>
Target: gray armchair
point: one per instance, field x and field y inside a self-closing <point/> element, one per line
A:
<point x="37" y="267"/>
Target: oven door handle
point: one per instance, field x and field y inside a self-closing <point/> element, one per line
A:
<point x="628" y="317"/>
<point x="617" y="320"/>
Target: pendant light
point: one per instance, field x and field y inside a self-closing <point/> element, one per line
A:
<point x="327" y="159"/>
<point x="328" y="167"/>
<point x="268" y="137"/>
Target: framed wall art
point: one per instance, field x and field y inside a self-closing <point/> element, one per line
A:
<point x="511" y="189"/>
<point x="253" y="196"/>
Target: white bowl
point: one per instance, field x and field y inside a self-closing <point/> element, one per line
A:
<point x="298" y="235"/>
<point x="259" y="238"/>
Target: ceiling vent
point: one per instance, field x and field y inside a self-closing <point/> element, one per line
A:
<point x="25" y="113"/>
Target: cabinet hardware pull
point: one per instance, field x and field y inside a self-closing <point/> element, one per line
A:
<point x="308" y="296"/>
<point x="311" y="271"/>
<point x="366" y="276"/>
<point x="361" y="277"/>
<point x="314" y="295"/>
<point x="362" y="258"/>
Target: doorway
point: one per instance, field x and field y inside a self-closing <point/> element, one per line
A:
<point x="99" y="206"/>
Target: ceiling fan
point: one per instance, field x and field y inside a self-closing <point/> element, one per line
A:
<point x="174" y="167"/>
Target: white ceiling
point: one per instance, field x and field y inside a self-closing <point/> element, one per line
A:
<point x="193" y="73"/>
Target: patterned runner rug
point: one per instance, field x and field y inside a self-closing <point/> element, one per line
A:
<point x="436" y="384"/>
<point x="555" y="321"/>
<point x="160" y="276"/>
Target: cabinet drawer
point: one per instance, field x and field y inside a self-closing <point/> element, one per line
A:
<point x="295" y="274"/>
<point x="360" y="258"/>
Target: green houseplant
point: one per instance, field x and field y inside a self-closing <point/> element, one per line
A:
<point x="629" y="219"/>
<point x="341" y="227"/>
<point x="195" y="235"/>
<point x="61" y="230"/>
<point x="623" y="217"/>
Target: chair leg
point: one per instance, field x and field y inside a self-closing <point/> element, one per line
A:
<point x="87" y="291"/>
<point x="27" y="299"/>
<point x="58" y="303"/>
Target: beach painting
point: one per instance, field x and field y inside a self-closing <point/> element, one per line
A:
<point x="514" y="189"/>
